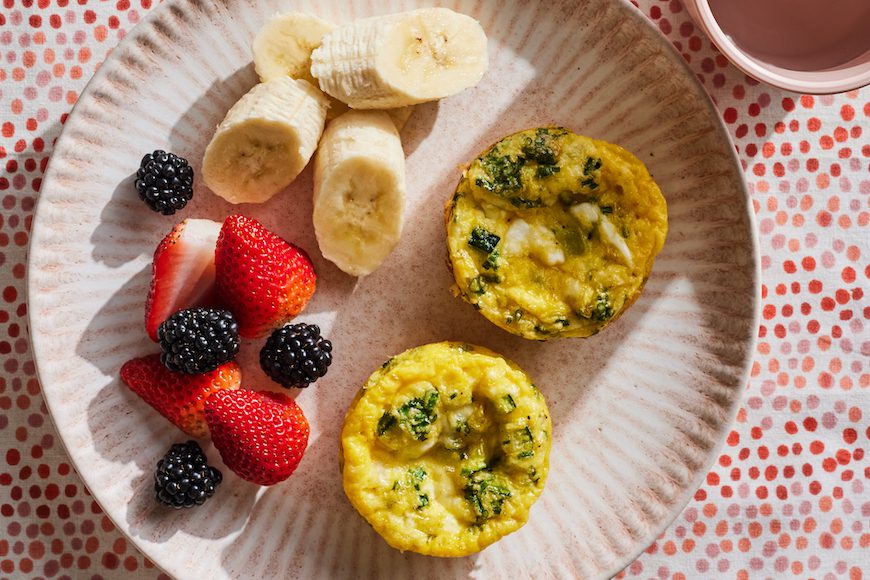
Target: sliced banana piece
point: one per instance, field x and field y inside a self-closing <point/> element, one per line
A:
<point x="283" y="45"/>
<point x="265" y="140"/>
<point x="401" y="59"/>
<point x="282" y="48"/>
<point x="359" y="191"/>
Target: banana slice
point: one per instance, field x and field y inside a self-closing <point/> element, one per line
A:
<point x="359" y="191"/>
<point x="265" y="140"/>
<point x="401" y="59"/>
<point x="282" y="47"/>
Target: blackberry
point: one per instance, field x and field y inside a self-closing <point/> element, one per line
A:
<point x="296" y="355"/>
<point x="198" y="340"/>
<point x="183" y="479"/>
<point x="164" y="182"/>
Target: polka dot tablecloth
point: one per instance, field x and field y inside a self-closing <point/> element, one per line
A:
<point x="787" y="497"/>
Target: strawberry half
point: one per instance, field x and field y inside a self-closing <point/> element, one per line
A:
<point x="177" y="396"/>
<point x="261" y="436"/>
<point x="182" y="273"/>
<point x="263" y="279"/>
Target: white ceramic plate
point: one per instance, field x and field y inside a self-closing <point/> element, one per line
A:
<point x="639" y="411"/>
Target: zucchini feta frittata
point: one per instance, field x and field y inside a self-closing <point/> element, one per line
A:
<point x="552" y="234"/>
<point x="445" y="449"/>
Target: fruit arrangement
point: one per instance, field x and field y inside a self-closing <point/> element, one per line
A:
<point x="342" y="94"/>
<point x="212" y="283"/>
<point x="215" y="283"/>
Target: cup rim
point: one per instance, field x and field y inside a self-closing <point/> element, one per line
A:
<point x="856" y="79"/>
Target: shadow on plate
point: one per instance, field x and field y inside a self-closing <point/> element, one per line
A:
<point x="419" y="125"/>
<point x="126" y="220"/>
<point x="316" y="517"/>
<point x="117" y="418"/>
<point x="153" y="522"/>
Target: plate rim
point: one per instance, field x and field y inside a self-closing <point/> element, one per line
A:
<point x="668" y="50"/>
<point x="680" y="504"/>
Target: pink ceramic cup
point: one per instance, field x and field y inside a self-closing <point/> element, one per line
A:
<point x="807" y="46"/>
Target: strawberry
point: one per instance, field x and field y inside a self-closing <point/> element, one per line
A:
<point x="261" y="436"/>
<point x="263" y="279"/>
<point x="178" y="396"/>
<point x="182" y="273"/>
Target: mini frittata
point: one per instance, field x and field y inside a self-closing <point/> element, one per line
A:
<point x="552" y="234"/>
<point x="445" y="449"/>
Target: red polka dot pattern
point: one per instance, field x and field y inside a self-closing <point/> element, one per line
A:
<point x="787" y="496"/>
<point x="51" y="527"/>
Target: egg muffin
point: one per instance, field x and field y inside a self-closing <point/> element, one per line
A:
<point x="552" y="234"/>
<point x="445" y="449"/>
